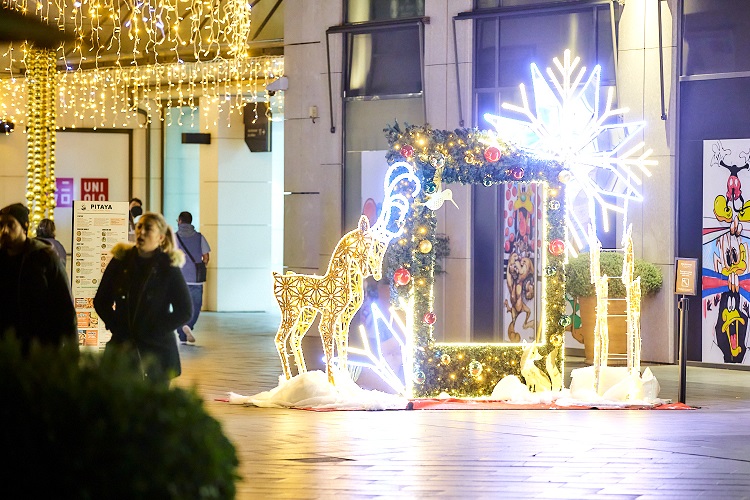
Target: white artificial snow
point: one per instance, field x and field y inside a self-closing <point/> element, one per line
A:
<point x="616" y="385"/>
<point x="312" y="390"/>
<point x="618" y="389"/>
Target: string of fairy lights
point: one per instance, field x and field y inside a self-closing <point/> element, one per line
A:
<point x="141" y="55"/>
<point x="127" y="58"/>
<point x="112" y="97"/>
<point x="134" y="29"/>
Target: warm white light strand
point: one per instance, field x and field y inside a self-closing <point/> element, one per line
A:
<point x="109" y="96"/>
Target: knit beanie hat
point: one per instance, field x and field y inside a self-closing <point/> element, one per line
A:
<point x="18" y="212"/>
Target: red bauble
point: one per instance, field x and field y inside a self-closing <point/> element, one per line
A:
<point x="492" y="154"/>
<point x="517" y="173"/>
<point x="429" y="318"/>
<point x="556" y="247"/>
<point x="407" y="151"/>
<point x="401" y="277"/>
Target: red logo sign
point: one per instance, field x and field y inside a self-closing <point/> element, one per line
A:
<point x="94" y="189"/>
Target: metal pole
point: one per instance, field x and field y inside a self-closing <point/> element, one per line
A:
<point x="683" y="306"/>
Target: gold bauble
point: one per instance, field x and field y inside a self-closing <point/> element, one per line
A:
<point x="425" y="246"/>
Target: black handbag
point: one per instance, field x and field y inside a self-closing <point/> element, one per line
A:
<point x="200" y="267"/>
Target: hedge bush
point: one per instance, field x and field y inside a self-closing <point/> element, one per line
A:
<point x="578" y="276"/>
<point x="87" y="426"/>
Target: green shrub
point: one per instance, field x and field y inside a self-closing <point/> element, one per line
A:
<point x="578" y="277"/>
<point x="89" y="427"/>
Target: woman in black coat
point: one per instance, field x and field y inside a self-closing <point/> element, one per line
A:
<point x="143" y="297"/>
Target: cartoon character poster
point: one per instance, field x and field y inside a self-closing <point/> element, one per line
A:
<point x="726" y="230"/>
<point x="522" y="241"/>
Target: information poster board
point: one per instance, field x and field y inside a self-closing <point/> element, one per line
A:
<point x="685" y="279"/>
<point x="97" y="226"/>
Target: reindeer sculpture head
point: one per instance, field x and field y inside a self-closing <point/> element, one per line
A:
<point x="396" y="204"/>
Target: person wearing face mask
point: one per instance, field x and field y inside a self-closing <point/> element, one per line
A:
<point x="143" y="298"/>
<point x="135" y="210"/>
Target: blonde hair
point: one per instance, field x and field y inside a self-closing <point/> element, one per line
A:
<point x="159" y="222"/>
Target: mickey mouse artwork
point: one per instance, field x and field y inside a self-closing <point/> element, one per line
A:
<point x="726" y="281"/>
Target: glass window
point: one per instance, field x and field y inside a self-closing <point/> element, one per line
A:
<point x="486" y="103"/>
<point x="486" y="53"/>
<point x="716" y="36"/>
<point x="384" y="62"/>
<point x="507" y="45"/>
<point x="493" y="4"/>
<point x="572" y="30"/>
<point x="358" y="11"/>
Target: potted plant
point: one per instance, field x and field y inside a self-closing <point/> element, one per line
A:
<point x="578" y="286"/>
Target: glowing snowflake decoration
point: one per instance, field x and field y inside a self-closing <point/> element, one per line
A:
<point x="594" y="146"/>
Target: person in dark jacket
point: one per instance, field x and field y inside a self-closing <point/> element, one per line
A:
<point x="35" y="301"/>
<point x="143" y="298"/>
<point x="45" y="231"/>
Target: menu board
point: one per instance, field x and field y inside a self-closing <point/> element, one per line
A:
<point x="97" y="226"/>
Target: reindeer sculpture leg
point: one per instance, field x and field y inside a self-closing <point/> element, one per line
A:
<point x="282" y="336"/>
<point x="327" y="329"/>
<point x="342" y="332"/>
<point x="303" y="325"/>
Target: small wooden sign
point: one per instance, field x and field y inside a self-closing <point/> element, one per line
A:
<point x="686" y="277"/>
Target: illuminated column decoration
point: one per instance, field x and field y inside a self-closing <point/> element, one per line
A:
<point x="40" y="187"/>
<point x="634" y="325"/>
<point x="601" y="328"/>
<point x="633" y="304"/>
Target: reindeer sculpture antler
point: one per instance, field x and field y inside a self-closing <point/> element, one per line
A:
<point x="396" y="205"/>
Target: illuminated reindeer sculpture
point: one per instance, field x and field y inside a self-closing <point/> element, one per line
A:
<point x="339" y="293"/>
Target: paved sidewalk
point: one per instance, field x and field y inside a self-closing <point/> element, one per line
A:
<point x="603" y="454"/>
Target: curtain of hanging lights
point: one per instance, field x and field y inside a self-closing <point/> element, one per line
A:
<point x="144" y="55"/>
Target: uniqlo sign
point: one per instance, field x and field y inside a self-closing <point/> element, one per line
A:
<point x="94" y="189"/>
<point x="64" y="192"/>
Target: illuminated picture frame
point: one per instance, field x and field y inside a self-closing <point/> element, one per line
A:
<point x="471" y="156"/>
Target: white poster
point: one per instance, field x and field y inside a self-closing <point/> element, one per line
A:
<point x="726" y="225"/>
<point x="97" y="226"/>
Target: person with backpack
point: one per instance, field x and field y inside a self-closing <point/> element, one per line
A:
<point x="197" y="251"/>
